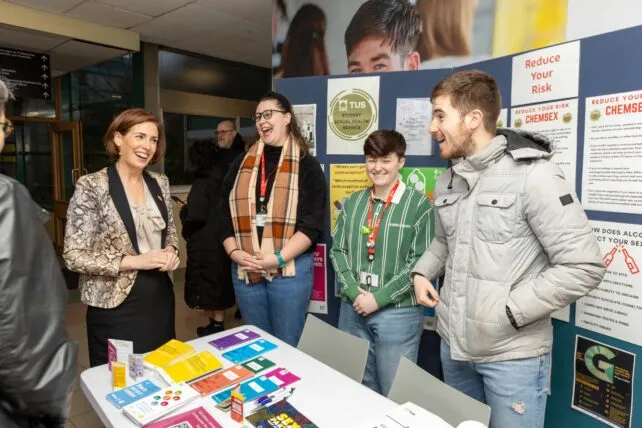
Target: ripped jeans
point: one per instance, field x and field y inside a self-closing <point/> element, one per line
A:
<point x="515" y="390"/>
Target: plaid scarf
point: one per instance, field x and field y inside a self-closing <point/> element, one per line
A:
<point x="281" y="208"/>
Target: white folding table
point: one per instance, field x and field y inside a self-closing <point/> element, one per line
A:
<point x="326" y="396"/>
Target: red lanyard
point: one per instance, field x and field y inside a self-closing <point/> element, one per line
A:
<point x="264" y="179"/>
<point x="372" y="237"/>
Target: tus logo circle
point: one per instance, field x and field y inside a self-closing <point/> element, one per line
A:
<point x="352" y="114"/>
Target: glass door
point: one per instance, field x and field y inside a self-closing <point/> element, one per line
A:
<point x="67" y="160"/>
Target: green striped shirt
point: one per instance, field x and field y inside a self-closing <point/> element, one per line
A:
<point x="406" y="230"/>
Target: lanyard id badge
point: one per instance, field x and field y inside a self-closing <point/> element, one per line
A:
<point x="261" y="216"/>
<point x="369" y="279"/>
<point x="372" y="230"/>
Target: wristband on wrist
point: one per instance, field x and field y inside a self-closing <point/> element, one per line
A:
<point x="230" y="253"/>
<point x="279" y="258"/>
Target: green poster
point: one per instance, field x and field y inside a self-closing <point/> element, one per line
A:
<point x="421" y="179"/>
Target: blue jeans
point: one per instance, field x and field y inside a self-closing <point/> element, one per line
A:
<point x="515" y="390"/>
<point x="392" y="332"/>
<point x="278" y="307"/>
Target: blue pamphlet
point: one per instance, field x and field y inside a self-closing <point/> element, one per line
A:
<point x="132" y="393"/>
<point x="251" y="389"/>
<point x="249" y="351"/>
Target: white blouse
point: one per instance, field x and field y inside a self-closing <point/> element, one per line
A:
<point x="149" y="223"/>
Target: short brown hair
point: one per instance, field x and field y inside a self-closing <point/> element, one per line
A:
<point x="383" y="142"/>
<point x="126" y="121"/>
<point x="470" y="90"/>
<point x="396" y="21"/>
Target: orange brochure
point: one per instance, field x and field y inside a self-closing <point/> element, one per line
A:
<point x="221" y="380"/>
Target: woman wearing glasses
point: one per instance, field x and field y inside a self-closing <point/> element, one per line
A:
<point x="273" y="205"/>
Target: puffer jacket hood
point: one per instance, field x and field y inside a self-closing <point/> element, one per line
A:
<point x="526" y="145"/>
<point x="520" y="145"/>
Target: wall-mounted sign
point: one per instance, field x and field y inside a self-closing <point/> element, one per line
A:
<point x="28" y="73"/>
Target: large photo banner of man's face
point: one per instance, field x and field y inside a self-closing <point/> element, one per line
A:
<point x="327" y="37"/>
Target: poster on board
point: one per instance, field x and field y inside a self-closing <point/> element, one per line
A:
<point x="603" y="382"/>
<point x="306" y="116"/>
<point x="345" y="179"/>
<point x="614" y="308"/>
<point x="353" y="113"/>
<point x="422" y="179"/>
<point x="412" y="121"/>
<point x="319" y="299"/>
<point x="558" y="122"/>
<point x="547" y="74"/>
<point x="612" y="177"/>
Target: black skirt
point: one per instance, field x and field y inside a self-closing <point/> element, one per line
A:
<point x="146" y="317"/>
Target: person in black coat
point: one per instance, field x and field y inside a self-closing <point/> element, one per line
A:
<point x="38" y="362"/>
<point x="208" y="281"/>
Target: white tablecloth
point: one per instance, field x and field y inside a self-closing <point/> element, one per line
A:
<point x="329" y="398"/>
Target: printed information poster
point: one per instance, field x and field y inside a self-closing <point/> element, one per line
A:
<point x="424" y="180"/>
<point x="344" y="180"/>
<point x="558" y="122"/>
<point x="421" y="179"/>
<point x="319" y="300"/>
<point x="353" y="113"/>
<point x="614" y="308"/>
<point x="306" y="115"/>
<point x="612" y="177"/>
<point x="603" y="382"/>
<point x="413" y="119"/>
<point x="546" y="74"/>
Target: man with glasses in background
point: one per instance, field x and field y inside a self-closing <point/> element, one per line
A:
<point x="231" y="145"/>
<point x="208" y="281"/>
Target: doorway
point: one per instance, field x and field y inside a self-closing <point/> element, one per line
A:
<point x="67" y="168"/>
<point x="46" y="156"/>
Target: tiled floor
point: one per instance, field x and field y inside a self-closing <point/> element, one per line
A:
<point x="82" y="415"/>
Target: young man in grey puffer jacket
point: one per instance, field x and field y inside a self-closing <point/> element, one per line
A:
<point x="515" y="246"/>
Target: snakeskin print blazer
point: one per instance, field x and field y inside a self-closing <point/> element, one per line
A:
<point x="100" y="231"/>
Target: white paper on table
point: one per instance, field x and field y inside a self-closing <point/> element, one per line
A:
<point x="408" y="415"/>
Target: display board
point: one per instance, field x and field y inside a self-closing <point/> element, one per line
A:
<point x="587" y="97"/>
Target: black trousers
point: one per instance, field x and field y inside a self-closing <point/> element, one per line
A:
<point x="146" y="317"/>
